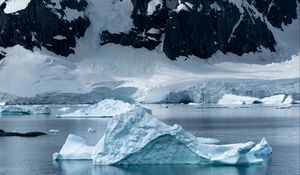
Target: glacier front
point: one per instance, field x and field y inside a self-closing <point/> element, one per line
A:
<point x="136" y="137"/>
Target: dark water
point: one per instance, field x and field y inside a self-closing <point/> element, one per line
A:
<point x="34" y="155"/>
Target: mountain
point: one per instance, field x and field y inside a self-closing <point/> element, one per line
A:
<point x="141" y="49"/>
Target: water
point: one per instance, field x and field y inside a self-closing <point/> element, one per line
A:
<point x="34" y="155"/>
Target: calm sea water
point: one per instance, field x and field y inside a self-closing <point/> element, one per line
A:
<point x="34" y="155"/>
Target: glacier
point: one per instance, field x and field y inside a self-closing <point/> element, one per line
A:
<point x="136" y="137"/>
<point x="104" y="108"/>
<point x="24" y="110"/>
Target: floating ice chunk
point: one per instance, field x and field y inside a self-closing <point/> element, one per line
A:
<point x="105" y="108"/>
<point x="54" y="130"/>
<point x="91" y="130"/>
<point x="137" y="137"/>
<point x="2" y="103"/>
<point x="74" y="148"/>
<point x="262" y="148"/>
<point x="277" y="99"/>
<point x="229" y="99"/>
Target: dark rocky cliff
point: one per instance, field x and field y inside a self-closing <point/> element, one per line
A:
<point x="202" y="27"/>
<point x="183" y="28"/>
<point x="40" y="22"/>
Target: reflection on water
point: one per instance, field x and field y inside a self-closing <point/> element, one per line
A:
<point x="84" y="167"/>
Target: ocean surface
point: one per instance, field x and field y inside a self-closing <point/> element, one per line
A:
<point x="33" y="156"/>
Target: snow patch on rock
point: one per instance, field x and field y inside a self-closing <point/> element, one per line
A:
<point x="13" y="6"/>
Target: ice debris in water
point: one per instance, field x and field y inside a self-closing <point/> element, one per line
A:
<point x="91" y="130"/>
<point x="104" y="108"/>
<point x="136" y="137"/>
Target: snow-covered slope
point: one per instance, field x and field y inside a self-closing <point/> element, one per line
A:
<point x="96" y="72"/>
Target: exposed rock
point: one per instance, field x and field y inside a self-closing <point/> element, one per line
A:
<point x="149" y="26"/>
<point x="46" y="24"/>
<point x="278" y="12"/>
<point x="28" y="134"/>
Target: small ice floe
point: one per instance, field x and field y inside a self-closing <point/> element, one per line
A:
<point x="288" y="106"/>
<point x="54" y="131"/>
<point x="136" y="137"/>
<point x="194" y="104"/>
<point x="2" y="103"/>
<point x="91" y="130"/>
<point x="105" y="108"/>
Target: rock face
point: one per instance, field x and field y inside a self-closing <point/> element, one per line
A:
<point x="52" y="24"/>
<point x="278" y="12"/>
<point x="182" y="28"/>
<point x="149" y="18"/>
<point x="201" y="27"/>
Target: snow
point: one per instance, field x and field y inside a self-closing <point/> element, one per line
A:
<point x="152" y="6"/>
<point x="215" y="6"/>
<point x="136" y="137"/>
<point x="229" y="99"/>
<point x="153" y="31"/>
<point x="13" y="6"/>
<point x="72" y="14"/>
<point x="105" y="108"/>
<point x="60" y="37"/>
<point x="74" y="148"/>
<point x="181" y="7"/>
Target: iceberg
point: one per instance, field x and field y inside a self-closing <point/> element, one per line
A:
<point x="104" y="108"/>
<point x="136" y="137"/>
<point x="229" y="99"/>
<point x="262" y="148"/>
<point x="277" y="100"/>
<point x="74" y="148"/>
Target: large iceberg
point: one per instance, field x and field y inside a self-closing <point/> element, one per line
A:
<point x="136" y="137"/>
<point x="104" y="108"/>
<point x="230" y="99"/>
